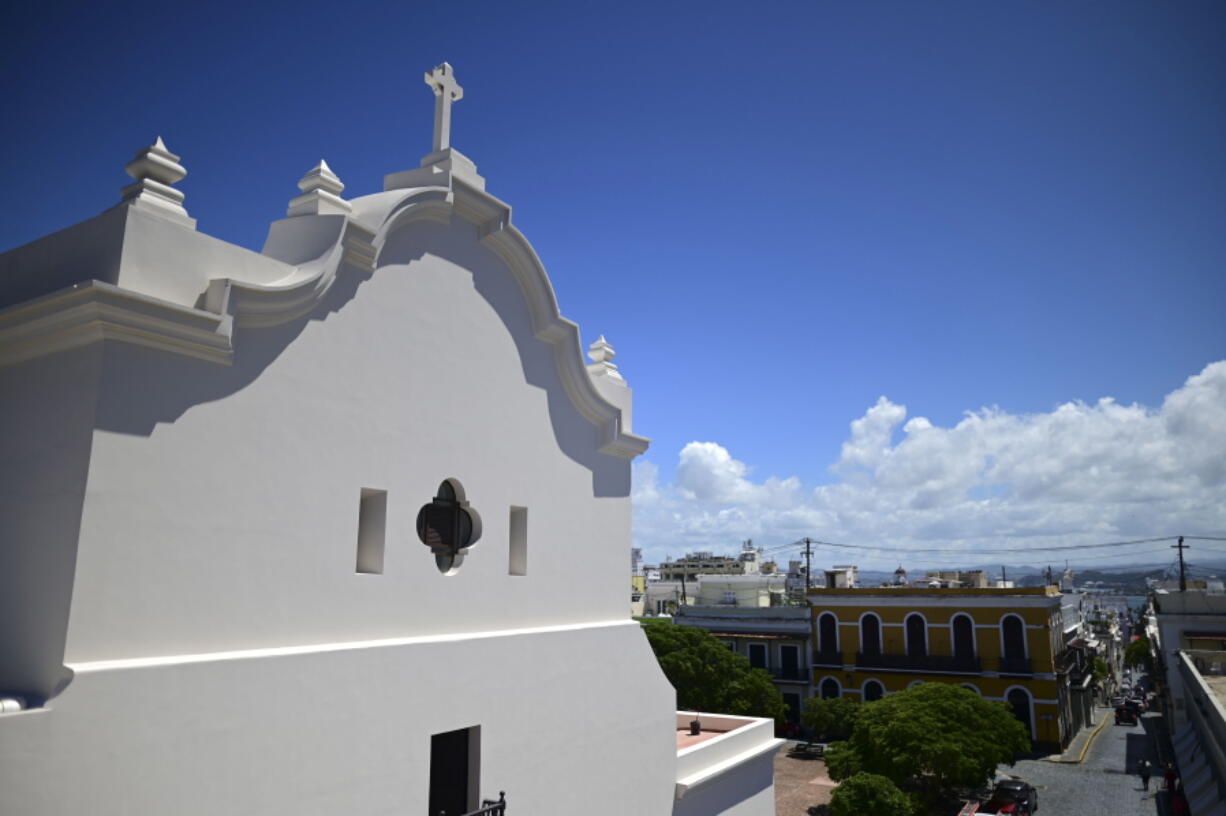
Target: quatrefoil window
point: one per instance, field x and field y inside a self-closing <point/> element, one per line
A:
<point x="448" y="526"/>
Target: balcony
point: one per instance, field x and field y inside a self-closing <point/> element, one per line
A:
<point x="828" y="658"/>
<point x="920" y="663"/>
<point x="1016" y="665"/>
<point x="796" y="674"/>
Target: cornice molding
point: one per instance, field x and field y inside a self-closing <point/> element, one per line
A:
<point x="93" y="311"/>
<point x="492" y="218"/>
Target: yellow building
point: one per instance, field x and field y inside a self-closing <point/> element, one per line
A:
<point x="1000" y="643"/>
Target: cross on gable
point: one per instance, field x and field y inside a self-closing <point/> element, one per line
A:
<point x="446" y="90"/>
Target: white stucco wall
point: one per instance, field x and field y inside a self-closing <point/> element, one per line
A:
<point x="348" y="731"/>
<point x="242" y="483"/>
<point x="206" y="642"/>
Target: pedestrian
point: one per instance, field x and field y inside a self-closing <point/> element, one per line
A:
<point x="1144" y="769"/>
<point x="1170" y="777"/>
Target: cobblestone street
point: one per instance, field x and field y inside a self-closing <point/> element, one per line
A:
<point x="1105" y="782"/>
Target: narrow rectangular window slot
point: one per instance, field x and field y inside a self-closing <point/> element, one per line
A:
<point x="372" y="526"/>
<point x="519" y="541"/>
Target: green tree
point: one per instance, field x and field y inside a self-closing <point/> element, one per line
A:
<point x="867" y="794"/>
<point x="1137" y="655"/>
<point x="708" y="676"/>
<point x="832" y="717"/>
<point x="1101" y="670"/>
<point x="934" y="736"/>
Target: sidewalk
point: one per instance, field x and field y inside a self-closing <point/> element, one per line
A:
<point x="1083" y="739"/>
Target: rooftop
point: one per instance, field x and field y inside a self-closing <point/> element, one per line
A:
<point x="724" y="742"/>
<point x="936" y="592"/>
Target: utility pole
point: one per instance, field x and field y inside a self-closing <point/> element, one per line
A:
<point x="808" y="563"/>
<point x="1183" y="579"/>
<point x="684" y="602"/>
<point x="1003" y="580"/>
<point x="1049" y="581"/>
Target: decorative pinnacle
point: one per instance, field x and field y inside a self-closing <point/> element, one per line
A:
<point x="321" y="177"/>
<point x="601" y="351"/>
<point x="601" y="354"/>
<point x="157" y="163"/>
<point x="155" y="169"/>
<point x="321" y="190"/>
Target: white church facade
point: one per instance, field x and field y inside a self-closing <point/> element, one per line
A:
<point x="286" y="532"/>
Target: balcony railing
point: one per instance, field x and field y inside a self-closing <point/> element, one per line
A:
<point x="489" y="807"/>
<point x="942" y="663"/>
<point x="827" y="658"/>
<point x="1016" y="665"/>
<point x="798" y="673"/>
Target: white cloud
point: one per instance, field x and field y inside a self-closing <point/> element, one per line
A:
<point x="1082" y="473"/>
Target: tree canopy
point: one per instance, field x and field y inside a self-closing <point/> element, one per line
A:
<point x="1137" y="654"/>
<point x="935" y="736"/>
<point x="832" y="717"/>
<point x="867" y="794"/>
<point x="708" y="676"/>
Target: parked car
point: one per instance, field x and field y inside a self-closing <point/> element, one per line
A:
<point x="1125" y="715"/>
<point x="1013" y="796"/>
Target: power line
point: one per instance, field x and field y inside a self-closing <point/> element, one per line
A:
<point x="964" y="550"/>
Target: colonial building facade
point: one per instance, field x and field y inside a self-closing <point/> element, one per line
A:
<point x="293" y="531"/>
<point x="1000" y="643"/>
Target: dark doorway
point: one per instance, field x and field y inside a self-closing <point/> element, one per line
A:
<point x="757" y="655"/>
<point x="1014" y="637"/>
<point x="452" y="768"/>
<point x="964" y="637"/>
<point x="917" y="636"/>
<point x="828" y="637"/>
<point x="1019" y="701"/>
<point x="870" y="635"/>
<point x="789" y="662"/>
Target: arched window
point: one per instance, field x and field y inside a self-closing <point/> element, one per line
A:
<point x="873" y="690"/>
<point x="1013" y="637"/>
<point x="972" y="687"/>
<point x="830" y="688"/>
<point x="827" y="633"/>
<point x="1019" y="700"/>
<point x="917" y="635"/>
<point x="964" y="637"/>
<point x="870" y="634"/>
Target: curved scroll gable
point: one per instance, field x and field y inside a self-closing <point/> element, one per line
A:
<point x="492" y="219"/>
<point x="263" y="305"/>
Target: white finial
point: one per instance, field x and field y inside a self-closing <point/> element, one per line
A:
<point x="446" y="90"/>
<point x="321" y="189"/>
<point x="155" y="169"/>
<point x="601" y="351"/>
<point x="601" y="354"/>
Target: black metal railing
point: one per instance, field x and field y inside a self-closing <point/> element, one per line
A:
<point x="830" y="658"/>
<point x="796" y="673"/>
<point x="944" y="663"/>
<point x="489" y="807"/>
<point x="1016" y="665"/>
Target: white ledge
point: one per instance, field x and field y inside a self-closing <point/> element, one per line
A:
<point x="286" y="651"/>
<point x="93" y="311"/>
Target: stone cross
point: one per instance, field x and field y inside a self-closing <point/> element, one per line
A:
<point x="446" y="90"/>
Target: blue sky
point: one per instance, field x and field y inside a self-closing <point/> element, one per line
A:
<point x="778" y="213"/>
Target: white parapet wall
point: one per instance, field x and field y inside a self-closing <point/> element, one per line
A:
<point x="729" y="769"/>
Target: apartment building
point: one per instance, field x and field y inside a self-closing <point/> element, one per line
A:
<point x="1003" y="644"/>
